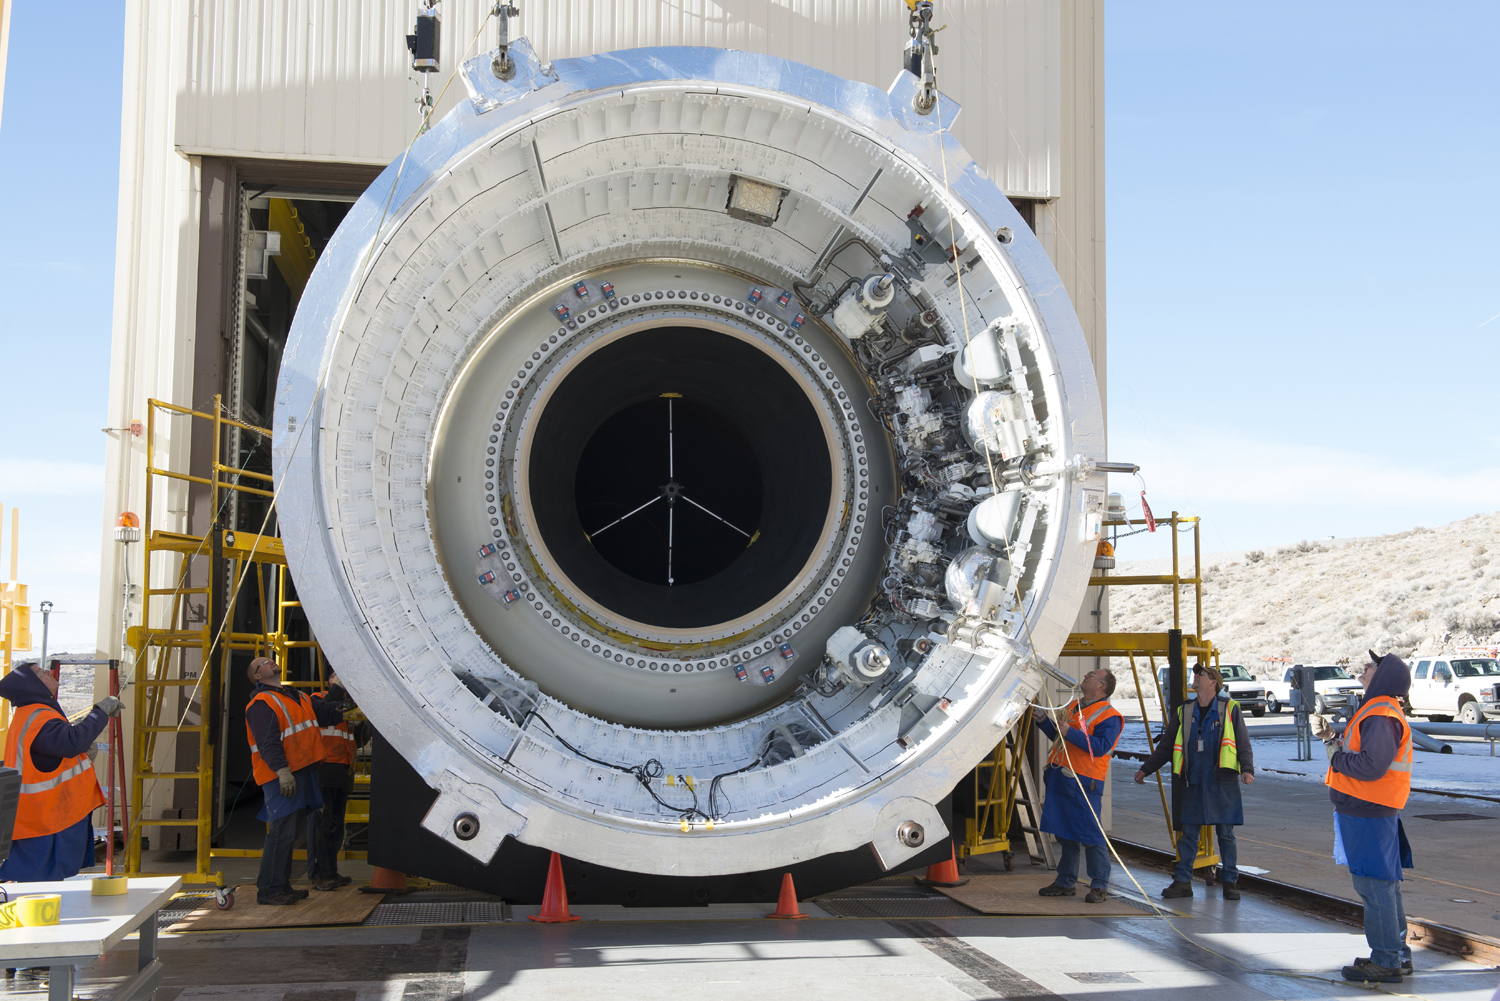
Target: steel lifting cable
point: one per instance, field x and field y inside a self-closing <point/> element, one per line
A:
<point x="323" y="376"/>
<point x="1055" y="710"/>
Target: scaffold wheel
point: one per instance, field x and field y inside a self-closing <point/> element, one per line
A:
<point x="224" y="898"/>
<point x="1010" y="860"/>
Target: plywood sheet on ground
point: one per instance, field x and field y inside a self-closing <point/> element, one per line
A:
<point x="344" y="906"/>
<point x="1015" y="893"/>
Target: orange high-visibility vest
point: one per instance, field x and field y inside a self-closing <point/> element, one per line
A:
<point x="300" y="740"/>
<point x="1084" y="762"/>
<point x="1394" y="787"/>
<point x="338" y="742"/>
<point x="50" y="801"/>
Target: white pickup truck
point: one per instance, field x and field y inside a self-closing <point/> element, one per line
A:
<point x="1454" y="685"/>
<point x="1334" y="687"/>
<point x="1245" y="689"/>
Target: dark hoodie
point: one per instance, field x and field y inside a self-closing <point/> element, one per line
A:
<point x="1379" y="739"/>
<point x="57" y="738"/>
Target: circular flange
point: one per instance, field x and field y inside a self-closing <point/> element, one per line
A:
<point x="446" y="307"/>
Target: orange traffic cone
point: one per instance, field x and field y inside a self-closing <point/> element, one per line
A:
<point x="386" y="881"/>
<point x="555" y="896"/>
<point x="786" y="903"/>
<point x="944" y="873"/>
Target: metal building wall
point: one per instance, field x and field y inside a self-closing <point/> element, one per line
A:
<point x="329" y="80"/>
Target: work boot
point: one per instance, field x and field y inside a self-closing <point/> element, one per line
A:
<point x="1231" y="891"/>
<point x="281" y="899"/>
<point x="300" y="894"/>
<point x="1365" y="961"/>
<point x="326" y="884"/>
<point x="1178" y="888"/>
<point x="1057" y="890"/>
<point x="1369" y="973"/>
<point x="344" y="880"/>
<point x="1095" y="896"/>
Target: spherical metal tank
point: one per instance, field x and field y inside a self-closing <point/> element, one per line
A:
<point x="687" y="459"/>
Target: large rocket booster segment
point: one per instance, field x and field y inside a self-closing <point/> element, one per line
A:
<point x="688" y="459"/>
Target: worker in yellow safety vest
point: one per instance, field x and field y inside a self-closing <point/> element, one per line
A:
<point x="283" y="726"/>
<point x="53" y="837"/>
<point x="1369" y="780"/>
<point x="1083" y="745"/>
<point x="335" y="781"/>
<point x="1210" y="751"/>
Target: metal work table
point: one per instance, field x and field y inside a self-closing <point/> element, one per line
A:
<point x="90" y="927"/>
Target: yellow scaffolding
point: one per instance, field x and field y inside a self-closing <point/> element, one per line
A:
<point x="995" y="781"/>
<point x="15" y="614"/>
<point x="162" y="652"/>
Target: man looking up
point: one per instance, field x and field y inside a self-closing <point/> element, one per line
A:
<point x="53" y="837"/>
<point x="1074" y="781"/>
<point x="285" y="747"/>
<point x="1369" y="780"/>
<point x="1211" y="758"/>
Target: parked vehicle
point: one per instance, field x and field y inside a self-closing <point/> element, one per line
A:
<point x="1334" y="687"/>
<point x="1241" y="685"/>
<point x="1446" y="686"/>
<point x="1246" y="689"/>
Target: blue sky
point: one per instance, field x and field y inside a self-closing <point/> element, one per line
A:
<point x="1301" y="211"/>
<point x="1303" y="280"/>
<point x="60" y="164"/>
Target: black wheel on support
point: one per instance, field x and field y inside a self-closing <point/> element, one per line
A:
<point x="1208" y="876"/>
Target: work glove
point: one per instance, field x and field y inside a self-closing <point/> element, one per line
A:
<point x="287" y="781"/>
<point x="110" y="705"/>
<point x="1320" y="727"/>
<point x="1333" y="747"/>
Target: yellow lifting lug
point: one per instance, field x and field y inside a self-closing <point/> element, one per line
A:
<point x="260" y="548"/>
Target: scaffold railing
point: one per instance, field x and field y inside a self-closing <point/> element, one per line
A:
<point x="184" y="646"/>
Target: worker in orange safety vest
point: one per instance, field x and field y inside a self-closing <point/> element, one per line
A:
<point x="283" y="727"/>
<point x="1369" y="780"/>
<point x="53" y="836"/>
<point x="1074" y="781"/>
<point x="325" y="838"/>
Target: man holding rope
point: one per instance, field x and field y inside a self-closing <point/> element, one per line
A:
<point x="1074" y="781"/>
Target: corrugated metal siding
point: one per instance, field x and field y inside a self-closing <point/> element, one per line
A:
<point x="330" y="79"/>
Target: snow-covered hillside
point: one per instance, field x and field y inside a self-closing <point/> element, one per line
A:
<point x="1324" y="602"/>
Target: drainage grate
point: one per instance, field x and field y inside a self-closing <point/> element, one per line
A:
<point x="1452" y="816"/>
<point x="468" y="912"/>
<point x="1102" y="977"/>
<point x="898" y="907"/>
<point x="179" y="908"/>
<point x="893" y="881"/>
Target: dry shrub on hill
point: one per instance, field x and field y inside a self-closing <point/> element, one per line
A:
<point x="1329" y="601"/>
